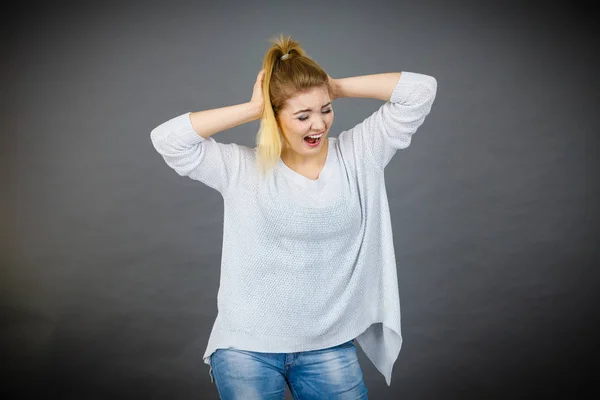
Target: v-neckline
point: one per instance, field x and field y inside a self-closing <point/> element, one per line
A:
<point x="303" y="180"/>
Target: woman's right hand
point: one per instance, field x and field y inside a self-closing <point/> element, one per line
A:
<point x="257" y="95"/>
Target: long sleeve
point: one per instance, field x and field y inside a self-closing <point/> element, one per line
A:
<point x="189" y="154"/>
<point x="391" y="127"/>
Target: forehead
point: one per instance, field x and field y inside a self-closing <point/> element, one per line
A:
<point x="314" y="99"/>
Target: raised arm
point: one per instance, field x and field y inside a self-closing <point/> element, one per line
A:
<point x="186" y="145"/>
<point x="409" y="97"/>
<point x="377" y="86"/>
<point x="208" y="122"/>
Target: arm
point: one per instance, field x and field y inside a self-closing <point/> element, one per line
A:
<point x="185" y="144"/>
<point x="208" y="122"/>
<point x="377" y="86"/>
<point x="409" y="97"/>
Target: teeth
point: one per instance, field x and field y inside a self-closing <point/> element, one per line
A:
<point x="315" y="136"/>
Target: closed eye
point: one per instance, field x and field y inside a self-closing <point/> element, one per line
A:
<point x="305" y="118"/>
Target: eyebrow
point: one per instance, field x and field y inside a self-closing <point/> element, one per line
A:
<point x="308" y="109"/>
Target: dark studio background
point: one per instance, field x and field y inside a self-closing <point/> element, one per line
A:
<point x="110" y="260"/>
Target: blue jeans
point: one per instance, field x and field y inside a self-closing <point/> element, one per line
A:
<point x="331" y="373"/>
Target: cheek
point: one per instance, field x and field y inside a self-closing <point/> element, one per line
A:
<point x="329" y="120"/>
<point x="298" y="129"/>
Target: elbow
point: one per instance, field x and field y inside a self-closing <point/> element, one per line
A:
<point x="155" y="134"/>
<point x="156" y="137"/>
<point x="432" y="85"/>
<point x="429" y="88"/>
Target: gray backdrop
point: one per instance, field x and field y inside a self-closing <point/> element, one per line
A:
<point x="110" y="260"/>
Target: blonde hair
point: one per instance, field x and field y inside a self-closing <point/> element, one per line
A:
<point x="283" y="79"/>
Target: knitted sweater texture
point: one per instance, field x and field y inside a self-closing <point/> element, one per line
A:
<point x="307" y="264"/>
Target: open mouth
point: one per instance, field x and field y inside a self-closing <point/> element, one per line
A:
<point x="314" y="140"/>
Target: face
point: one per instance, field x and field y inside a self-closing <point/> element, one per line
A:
<point x="308" y="113"/>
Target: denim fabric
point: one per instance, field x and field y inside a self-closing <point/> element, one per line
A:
<point x="331" y="373"/>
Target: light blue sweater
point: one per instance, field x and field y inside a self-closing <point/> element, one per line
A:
<point x="307" y="264"/>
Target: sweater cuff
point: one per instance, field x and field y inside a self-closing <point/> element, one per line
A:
<point x="406" y="84"/>
<point x="181" y="129"/>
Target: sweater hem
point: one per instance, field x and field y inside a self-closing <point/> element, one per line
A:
<point x="274" y="344"/>
<point x="367" y="336"/>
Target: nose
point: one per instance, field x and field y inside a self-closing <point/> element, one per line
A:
<point x="318" y="124"/>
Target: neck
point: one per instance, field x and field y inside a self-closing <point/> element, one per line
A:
<point x="292" y="158"/>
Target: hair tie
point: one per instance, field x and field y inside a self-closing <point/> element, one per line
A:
<point x="285" y="56"/>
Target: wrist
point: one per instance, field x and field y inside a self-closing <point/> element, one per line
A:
<point x="257" y="110"/>
<point x="338" y="88"/>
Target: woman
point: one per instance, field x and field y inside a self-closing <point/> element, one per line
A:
<point x="308" y="261"/>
